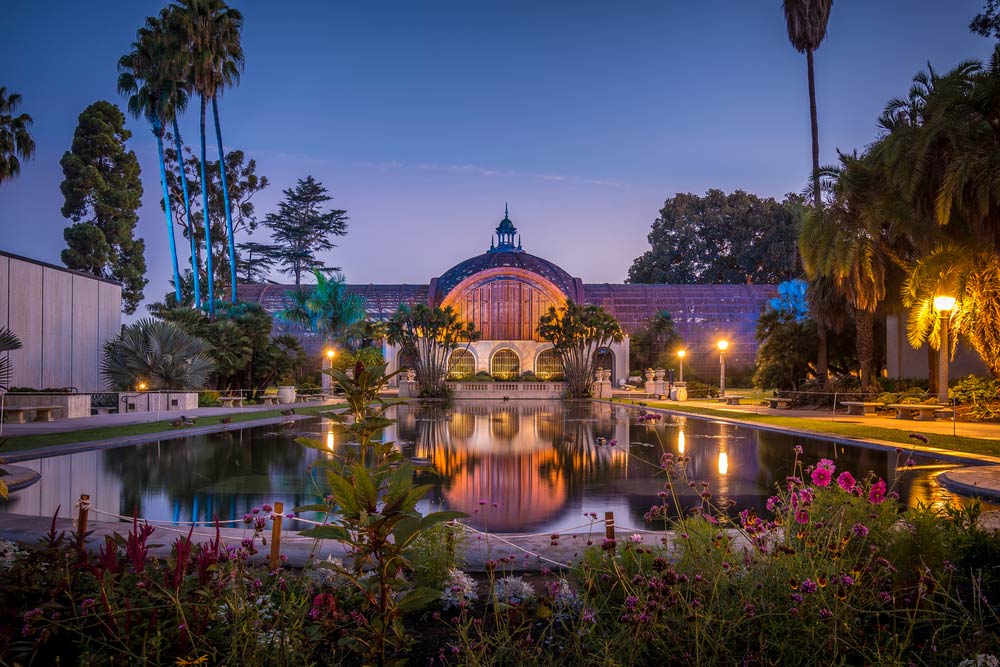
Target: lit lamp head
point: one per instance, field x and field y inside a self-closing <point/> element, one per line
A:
<point x="141" y="386"/>
<point x="944" y="303"/>
<point x="723" y="345"/>
<point x="681" y="353"/>
<point x="331" y="353"/>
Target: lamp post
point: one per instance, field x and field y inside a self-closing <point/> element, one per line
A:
<point x="327" y="365"/>
<point x="722" y="345"/>
<point x="680" y="355"/>
<point x="943" y="304"/>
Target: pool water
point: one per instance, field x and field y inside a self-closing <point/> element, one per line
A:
<point x="519" y="466"/>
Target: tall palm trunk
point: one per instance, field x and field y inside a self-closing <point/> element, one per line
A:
<point x="208" y="222"/>
<point x="225" y="200"/>
<point x="822" y="354"/>
<point x="817" y="199"/>
<point x="864" y="322"/>
<point x="195" y="264"/>
<point x="158" y="133"/>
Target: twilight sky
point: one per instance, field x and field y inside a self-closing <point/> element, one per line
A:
<point x="423" y="118"/>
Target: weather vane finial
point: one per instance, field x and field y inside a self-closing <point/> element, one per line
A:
<point x="505" y="213"/>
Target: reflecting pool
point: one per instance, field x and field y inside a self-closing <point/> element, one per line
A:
<point x="519" y="466"/>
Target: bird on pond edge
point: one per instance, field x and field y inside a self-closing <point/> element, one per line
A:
<point x="289" y="411"/>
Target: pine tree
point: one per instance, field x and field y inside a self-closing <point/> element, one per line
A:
<point x="103" y="193"/>
<point x="300" y="229"/>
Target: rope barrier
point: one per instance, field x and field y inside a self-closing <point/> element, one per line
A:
<point x="513" y="545"/>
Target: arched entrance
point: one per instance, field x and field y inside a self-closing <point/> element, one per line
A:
<point x="461" y="364"/>
<point x="604" y="358"/>
<point x="505" y="364"/>
<point x="548" y="364"/>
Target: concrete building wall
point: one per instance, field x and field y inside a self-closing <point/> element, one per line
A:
<point x="62" y="318"/>
<point x="903" y="361"/>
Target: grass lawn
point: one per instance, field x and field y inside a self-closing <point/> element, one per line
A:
<point x="958" y="444"/>
<point x="29" y="442"/>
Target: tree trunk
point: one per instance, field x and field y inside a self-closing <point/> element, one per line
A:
<point x="864" y="322"/>
<point x="822" y="354"/>
<point x="210" y="275"/>
<point x="932" y="370"/>
<point x="158" y="132"/>
<point x="225" y="201"/>
<point x="817" y="199"/>
<point x="195" y="262"/>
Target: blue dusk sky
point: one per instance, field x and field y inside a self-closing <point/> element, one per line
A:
<point x="424" y="118"/>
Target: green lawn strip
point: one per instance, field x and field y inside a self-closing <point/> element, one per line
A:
<point x="958" y="444"/>
<point x="29" y="442"/>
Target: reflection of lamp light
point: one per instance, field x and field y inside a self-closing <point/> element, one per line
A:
<point x="943" y="304"/>
<point x="329" y="440"/>
<point x="680" y="355"/>
<point x="723" y="463"/>
<point x="680" y="442"/>
<point x="722" y="345"/>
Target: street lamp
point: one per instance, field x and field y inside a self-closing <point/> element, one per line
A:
<point x="680" y="355"/>
<point x="943" y="304"/>
<point x="327" y="365"/>
<point x="722" y="345"/>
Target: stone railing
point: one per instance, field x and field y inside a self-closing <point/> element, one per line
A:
<point x="507" y="389"/>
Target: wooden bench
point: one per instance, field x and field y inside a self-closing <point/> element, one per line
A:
<point x="861" y="407"/>
<point x="729" y="400"/>
<point x="924" y="411"/>
<point x="43" y="413"/>
<point x="231" y="401"/>
<point x="269" y="399"/>
<point x="778" y="403"/>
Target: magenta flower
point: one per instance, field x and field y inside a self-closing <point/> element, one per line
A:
<point x="877" y="493"/>
<point x="823" y="473"/>
<point x="809" y="586"/>
<point x="846" y="481"/>
<point x="802" y="516"/>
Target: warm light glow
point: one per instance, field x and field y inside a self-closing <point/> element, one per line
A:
<point x="942" y="302"/>
<point x="329" y="440"/>
<point x="680" y="442"/>
<point x="141" y="386"/>
<point x="681" y="353"/>
<point x="330" y="354"/>
<point x="723" y="345"/>
<point x="723" y="463"/>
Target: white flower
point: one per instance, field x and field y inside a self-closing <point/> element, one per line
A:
<point x="9" y="553"/>
<point x="982" y="660"/>
<point x="565" y="600"/>
<point x="513" y="590"/>
<point x="459" y="589"/>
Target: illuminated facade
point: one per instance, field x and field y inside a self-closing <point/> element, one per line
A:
<point x="505" y="291"/>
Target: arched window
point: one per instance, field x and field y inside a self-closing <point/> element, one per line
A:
<point x="548" y="364"/>
<point x="604" y="358"/>
<point x="505" y="365"/>
<point x="461" y="364"/>
<point x="406" y="361"/>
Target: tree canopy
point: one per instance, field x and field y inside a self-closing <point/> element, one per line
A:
<point x="301" y="228"/>
<point x="578" y="333"/>
<point x="720" y="239"/>
<point x="102" y="194"/>
<point x="428" y="336"/>
<point x="16" y="143"/>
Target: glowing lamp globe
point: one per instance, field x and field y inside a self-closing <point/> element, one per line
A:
<point x="942" y="303"/>
<point x="723" y="345"/>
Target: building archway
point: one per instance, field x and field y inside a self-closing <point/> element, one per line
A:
<point x="461" y="364"/>
<point x="604" y="358"/>
<point x="505" y="364"/>
<point x="548" y="364"/>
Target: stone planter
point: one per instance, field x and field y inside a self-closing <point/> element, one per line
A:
<point x="286" y="393"/>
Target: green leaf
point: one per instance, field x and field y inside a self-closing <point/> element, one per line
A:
<point x="417" y="599"/>
<point x="405" y="530"/>
<point x="327" y="533"/>
<point x="318" y="507"/>
<point x="440" y="517"/>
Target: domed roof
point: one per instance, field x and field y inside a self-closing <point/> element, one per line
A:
<point x="492" y="260"/>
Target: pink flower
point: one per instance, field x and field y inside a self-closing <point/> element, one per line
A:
<point x="877" y="493"/>
<point x="802" y="516"/>
<point x="846" y="481"/>
<point x="821" y="477"/>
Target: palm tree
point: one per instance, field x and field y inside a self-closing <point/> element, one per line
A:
<point x="806" y="21"/>
<point x="147" y="77"/>
<point x="158" y="354"/>
<point x="328" y="309"/>
<point x="212" y="35"/>
<point x="8" y="343"/>
<point x="15" y="140"/>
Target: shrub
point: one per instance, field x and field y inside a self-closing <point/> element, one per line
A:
<point x="483" y="376"/>
<point x="698" y="389"/>
<point x="979" y="395"/>
<point x="208" y="399"/>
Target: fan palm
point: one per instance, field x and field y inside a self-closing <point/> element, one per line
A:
<point x="8" y="343"/>
<point x="148" y="77"/>
<point x="15" y="139"/>
<point x="211" y="33"/>
<point x="159" y="354"/>
<point x="806" y="22"/>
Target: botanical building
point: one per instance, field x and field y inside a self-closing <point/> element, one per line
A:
<point x="505" y="291"/>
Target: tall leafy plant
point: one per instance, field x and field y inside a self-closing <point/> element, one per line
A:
<point x="372" y="504"/>
<point x="8" y="343"/>
<point x="15" y="137"/>
<point x="578" y="333"/>
<point x="428" y="336"/>
<point x="159" y="355"/>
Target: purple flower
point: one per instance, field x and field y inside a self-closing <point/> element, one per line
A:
<point x="772" y="502"/>
<point x="290" y="515"/>
<point x="798" y="449"/>
<point x="248" y="519"/>
<point x="825" y="613"/>
<point x="635" y="538"/>
<point x="877" y="493"/>
<point x="846" y="481"/>
<point x="809" y="586"/>
<point x="920" y="437"/>
<point x="860" y="530"/>
<point x="268" y="508"/>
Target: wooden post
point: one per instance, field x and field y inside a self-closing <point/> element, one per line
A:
<point x="609" y="525"/>
<point x="279" y="507"/>
<point x="81" y="518"/>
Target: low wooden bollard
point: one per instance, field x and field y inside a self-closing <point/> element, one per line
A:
<point x="83" y="508"/>
<point x="279" y="507"/>
<point x="609" y="525"/>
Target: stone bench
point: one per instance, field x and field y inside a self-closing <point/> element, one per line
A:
<point x="861" y="407"/>
<point x="316" y="397"/>
<point x="231" y="401"/>
<point x="778" y="403"/>
<point x="43" y="413"/>
<point x="729" y="400"/>
<point x="924" y="411"/>
<point x="269" y="399"/>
